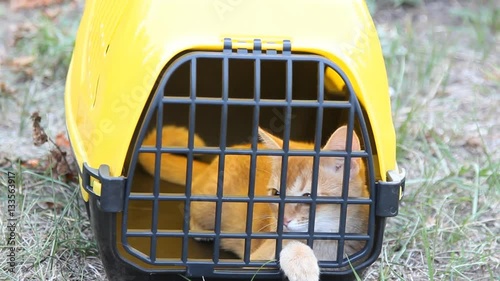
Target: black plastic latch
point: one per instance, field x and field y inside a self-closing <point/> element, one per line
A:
<point x="112" y="188"/>
<point x="389" y="193"/>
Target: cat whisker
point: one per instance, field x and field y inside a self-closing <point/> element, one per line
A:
<point x="265" y="217"/>
<point x="264" y="227"/>
<point x="263" y="170"/>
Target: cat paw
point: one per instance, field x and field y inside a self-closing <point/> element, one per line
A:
<point x="298" y="262"/>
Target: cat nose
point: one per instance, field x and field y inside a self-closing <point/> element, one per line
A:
<point x="286" y="221"/>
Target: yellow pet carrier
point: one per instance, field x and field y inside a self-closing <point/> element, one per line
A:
<point x="208" y="81"/>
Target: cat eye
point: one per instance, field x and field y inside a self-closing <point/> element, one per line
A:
<point x="275" y="192"/>
<point x="307" y="194"/>
<point x="338" y="166"/>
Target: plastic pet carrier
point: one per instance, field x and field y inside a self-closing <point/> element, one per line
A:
<point x="207" y="131"/>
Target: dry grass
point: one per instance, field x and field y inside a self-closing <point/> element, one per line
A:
<point x="443" y="64"/>
<point x="53" y="234"/>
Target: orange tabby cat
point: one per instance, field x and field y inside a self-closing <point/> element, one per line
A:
<point x="298" y="261"/>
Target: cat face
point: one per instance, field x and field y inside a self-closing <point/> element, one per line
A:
<point x="299" y="184"/>
<point x="330" y="180"/>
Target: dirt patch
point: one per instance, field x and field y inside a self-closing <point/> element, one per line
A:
<point x="33" y="43"/>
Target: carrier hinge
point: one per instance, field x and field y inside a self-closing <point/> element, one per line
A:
<point x="257" y="46"/>
<point x="389" y="193"/>
<point x="109" y="190"/>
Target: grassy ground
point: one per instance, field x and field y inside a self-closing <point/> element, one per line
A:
<point x="442" y="59"/>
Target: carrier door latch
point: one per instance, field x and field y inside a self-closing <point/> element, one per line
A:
<point x="109" y="190"/>
<point x="389" y="193"/>
<point x="257" y="46"/>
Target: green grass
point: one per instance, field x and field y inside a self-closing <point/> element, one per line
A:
<point x="376" y="4"/>
<point x="482" y="23"/>
<point x="51" y="42"/>
<point x="52" y="234"/>
<point x="39" y="84"/>
<point x="448" y="224"/>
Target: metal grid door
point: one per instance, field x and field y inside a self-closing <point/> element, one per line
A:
<point x="215" y="265"/>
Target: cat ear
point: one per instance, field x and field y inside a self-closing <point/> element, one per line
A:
<point x="337" y="141"/>
<point x="269" y="140"/>
<point x="272" y="142"/>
